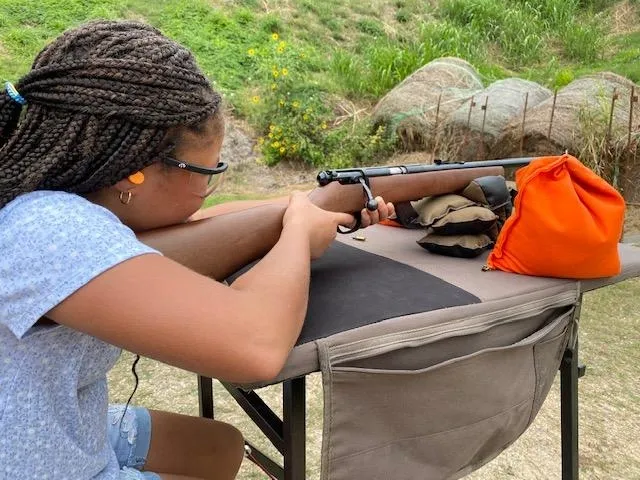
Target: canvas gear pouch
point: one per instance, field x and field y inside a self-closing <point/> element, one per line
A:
<point x="567" y="223"/>
<point x="439" y="401"/>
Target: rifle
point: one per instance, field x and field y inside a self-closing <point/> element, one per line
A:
<point x="401" y="183"/>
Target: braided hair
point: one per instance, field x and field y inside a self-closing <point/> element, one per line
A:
<point x="101" y="101"/>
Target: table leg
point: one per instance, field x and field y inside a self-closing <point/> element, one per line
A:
<point x="570" y="371"/>
<point x="205" y="396"/>
<point x="294" y="410"/>
<point x="287" y="435"/>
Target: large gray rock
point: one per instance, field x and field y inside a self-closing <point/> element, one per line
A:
<point x="580" y="116"/>
<point x="476" y="127"/>
<point x="417" y="107"/>
<point x="238" y="145"/>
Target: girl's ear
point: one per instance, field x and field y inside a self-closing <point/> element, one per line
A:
<point x="134" y="180"/>
<point x="124" y="185"/>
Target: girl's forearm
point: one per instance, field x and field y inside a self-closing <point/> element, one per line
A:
<point x="237" y="206"/>
<point x="282" y="276"/>
<point x="220" y="245"/>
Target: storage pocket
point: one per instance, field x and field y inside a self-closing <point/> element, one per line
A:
<point x="547" y="357"/>
<point x="440" y="421"/>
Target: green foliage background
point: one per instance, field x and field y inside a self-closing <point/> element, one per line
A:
<point x="302" y="72"/>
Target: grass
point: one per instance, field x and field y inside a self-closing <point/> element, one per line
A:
<point x="609" y="401"/>
<point x="343" y="50"/>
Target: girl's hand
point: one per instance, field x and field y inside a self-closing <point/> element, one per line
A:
<point x="319" y="226"/>
<point x="384" y="211"/>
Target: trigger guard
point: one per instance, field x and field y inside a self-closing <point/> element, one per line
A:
<point x="357" y="226"/>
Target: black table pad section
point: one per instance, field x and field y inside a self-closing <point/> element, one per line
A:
<point x="351" y="288"/>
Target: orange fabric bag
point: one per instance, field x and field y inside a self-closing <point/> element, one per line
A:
<point x="567" y="223"/>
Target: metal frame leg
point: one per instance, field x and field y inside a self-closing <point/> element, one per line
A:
<point x="294" y="410"/>
<point x="205" y="396"/>
<point x="287" y="435"/>
<point x="570" y="371"/>
<point x="569" y="414"/>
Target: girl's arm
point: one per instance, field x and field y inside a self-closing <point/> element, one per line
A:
<point x="220" y="245"/>
<point x="158" y="308"/>
<point x="236" y="206"/>
<point x="226" y="241"/>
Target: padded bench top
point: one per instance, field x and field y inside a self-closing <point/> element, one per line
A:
<point x="363" y="288"/>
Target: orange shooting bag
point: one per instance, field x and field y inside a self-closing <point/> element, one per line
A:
<point x="567" y="223"/>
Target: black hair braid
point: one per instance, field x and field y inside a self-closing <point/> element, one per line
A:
<point x="9" y="116"/>
<point x="101" y="100"/>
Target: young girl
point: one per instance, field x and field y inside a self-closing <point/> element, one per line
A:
<point x="108" y="146"/>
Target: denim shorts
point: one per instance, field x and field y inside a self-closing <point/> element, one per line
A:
<point x="130" y="437"/>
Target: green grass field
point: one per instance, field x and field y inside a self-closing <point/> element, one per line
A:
<point x="295" y="69"/>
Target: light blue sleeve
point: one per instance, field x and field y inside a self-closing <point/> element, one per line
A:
<point x="51" y="244"/>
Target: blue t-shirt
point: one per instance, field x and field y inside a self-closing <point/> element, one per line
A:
<point x="53" y="383"/>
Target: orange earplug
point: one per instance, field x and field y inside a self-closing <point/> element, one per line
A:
<point x="136" y="178"/>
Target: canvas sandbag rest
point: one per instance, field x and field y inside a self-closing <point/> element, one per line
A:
<point x="462" y="224"/>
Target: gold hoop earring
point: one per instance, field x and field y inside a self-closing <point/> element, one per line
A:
<point x="125" y="197"/>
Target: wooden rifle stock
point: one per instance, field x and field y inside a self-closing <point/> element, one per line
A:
<point x="400" y="188"/>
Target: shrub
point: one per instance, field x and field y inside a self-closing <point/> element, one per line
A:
<point x="296" y="119"/>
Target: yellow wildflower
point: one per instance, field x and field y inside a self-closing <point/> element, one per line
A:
<point x="280" y="50"/>
<point x="251" y="52"/>
<point x="272" y="127"/>
<point x="281" y="103"/>
<point x="255" y="99"/>
<point x="260" y="140"/>
<point x="295" y="104"/>
<point x="275" y="144"/>
<point x="324" y="125"/>
<point x="285" y="72"/>
<point x="275" y="73"/>
<point x="270" y="135"/>
<point x="273" y="86"/>
<point x="282" y="149"/>
<point x="282" y="45"/>
<point x="275" y="36"/>
<point x="305" y="117"/>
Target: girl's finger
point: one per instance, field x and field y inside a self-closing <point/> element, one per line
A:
<point x="345" y="219"/>
<point x="383" y="210"/>
<point x="365" y="219"/>
<point x="374" y="217"/>
<point x="391" y="209"/>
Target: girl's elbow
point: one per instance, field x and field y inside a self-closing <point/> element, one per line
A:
<point x="266" y="367"/>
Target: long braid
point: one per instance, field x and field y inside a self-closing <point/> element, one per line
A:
<point x="100" y="100"/>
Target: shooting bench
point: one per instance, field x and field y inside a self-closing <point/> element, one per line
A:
<point x="431" y="367"/>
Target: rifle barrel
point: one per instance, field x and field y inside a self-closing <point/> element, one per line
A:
<point x="348" y="176"/>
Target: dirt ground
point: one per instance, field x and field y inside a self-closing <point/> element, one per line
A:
<point x="632" y="220"/>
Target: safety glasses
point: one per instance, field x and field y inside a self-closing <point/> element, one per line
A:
<point x="215" y="175"/>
